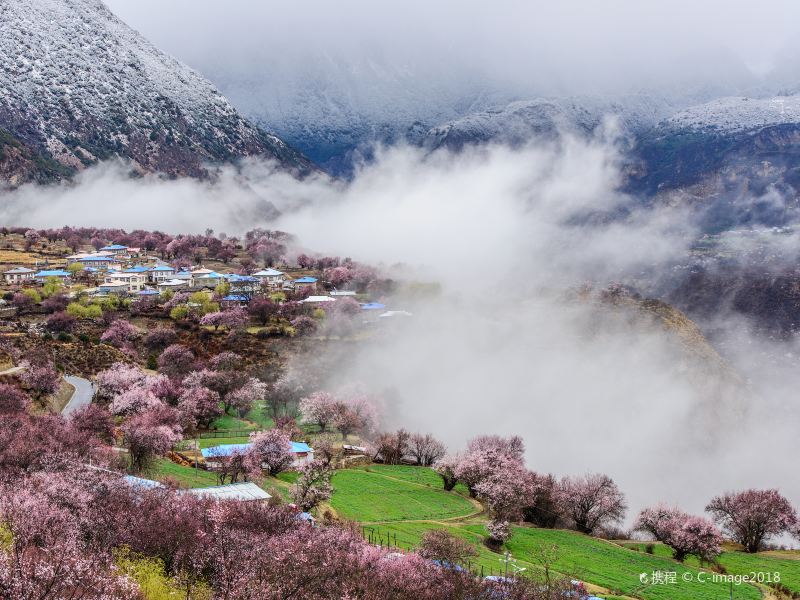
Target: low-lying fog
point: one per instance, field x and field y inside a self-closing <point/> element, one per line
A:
<point x="503" y="348"/>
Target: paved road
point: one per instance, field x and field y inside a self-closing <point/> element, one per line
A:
<point x="84" y="392"/>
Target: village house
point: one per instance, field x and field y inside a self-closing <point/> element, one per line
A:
<point x="101" y="261"/>
<point x="19" y="275"/>
<point x="244" y="491"/>
<point x="43" y="276"/>
<point x="72" y="258"/>
<point x="232" y="300"/>
<point x="113" y="287"/>
<point x="124" y="281"/>
<point x="160" y="273"/>
<point x="172" y="284"/>
<point x="303" y="453"/>
<point x="204" y="278"/>
<point x="343" y="293"/>
<point x="242" y="284"/>
<point x="317" y="300"/>
<point x="304" y="282"/>
<point x="114" y="249"/>
<point x="270" y="277"/>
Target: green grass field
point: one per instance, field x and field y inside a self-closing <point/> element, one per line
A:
<point x="742" y="563"/>
<point x="618" y="569"/>
<point x="186" y="476"/>
<point x="368" y="496"/>
<point x="421" y="476"/>
<point x="396" y="505"/>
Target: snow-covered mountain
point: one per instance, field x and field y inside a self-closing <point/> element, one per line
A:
<point x="522" y="120"/>
<point x="332" y="108"/>
<point x="77" y="86"/>
<point x="738" y="113"/>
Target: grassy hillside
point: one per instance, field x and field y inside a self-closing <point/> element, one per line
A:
<point x="616" y="568"/>
<point x="368" y="496"/>
<point x="185" y="476"/>
<point x="398" y="504"/>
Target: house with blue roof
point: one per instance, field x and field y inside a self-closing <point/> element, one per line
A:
<point x="303" y="453"/>
<point x="102" y="261"/>
<point x="235" y="300"/>
<point x="242" y="284"/>
<point x="270" y="277"/>
<point x="206" y="279"/>
<point x="160" y="273"/>
<point x="43" y="276"/>
<point x="114" y="249"/>
<point x="303" y="283"/>
<point x="137" y="269"/>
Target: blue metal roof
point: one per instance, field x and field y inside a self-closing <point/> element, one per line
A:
<point x="114" y="247"/>
<point x="96" y="259"/>
<point x="162" y="268"/>
<point x="372" y="306"/>
<point x="53" y="273"/>
<point x="236" y="298"/>
<point x="300" y="447"/>
<point x="229" y="449"/>
<point x="224" y="450"/>
<point x="148" y="293"/>
<point x="236" y="277"/>
<point x="306" y="280"/>
<point x="136" y="269"/>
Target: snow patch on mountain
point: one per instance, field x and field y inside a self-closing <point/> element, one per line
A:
<point x="521" y="121"/>
<point x="738" y="113"/>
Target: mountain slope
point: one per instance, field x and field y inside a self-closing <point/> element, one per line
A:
<point x="78" y="86"/>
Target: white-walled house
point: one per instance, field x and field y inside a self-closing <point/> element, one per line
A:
<point x="172" y="284"/>
<point x="304" y="282"/>
<point x="270" y="277"/>
<point x="72" y="258"/>
<point x="60" y="274"/>
<point x="115" y="249"/>
<point x="19" y="275"/>
<point x="160" y="273"/>
<point x="317" y="300"/>
<point x="303" y="453"/>
<point x="129" y="281"/>
<point x="101" y="261"/>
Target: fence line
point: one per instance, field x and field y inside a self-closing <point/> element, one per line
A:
<point x="218" y="433"/>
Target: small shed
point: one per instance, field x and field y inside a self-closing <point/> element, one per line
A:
<point x="245" y="491"/>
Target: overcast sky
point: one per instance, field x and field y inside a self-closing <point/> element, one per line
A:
<point x="566" y="46"/>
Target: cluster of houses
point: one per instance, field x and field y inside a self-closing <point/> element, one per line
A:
<point x="127" y="271"/>
<point x="243" y="491"/>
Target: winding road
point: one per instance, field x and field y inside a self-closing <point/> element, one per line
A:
<point x="82" y="396"/>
